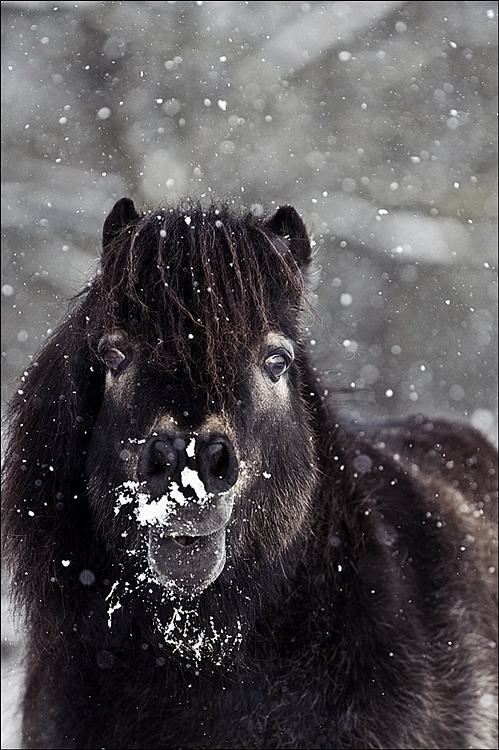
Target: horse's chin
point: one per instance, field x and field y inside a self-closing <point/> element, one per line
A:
<point x="186" y="564"/>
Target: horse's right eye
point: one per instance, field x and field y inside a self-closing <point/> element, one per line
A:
<point x="113" y="359"/>
<point x="277" y="364"/>
<point x="109" y="352"/>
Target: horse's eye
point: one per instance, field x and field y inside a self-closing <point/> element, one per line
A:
<point x="277" y="364"/>
<point x="113" y="359"/>
<point x="109" y="352"/>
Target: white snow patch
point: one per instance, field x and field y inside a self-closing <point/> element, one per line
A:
<point x="126" y="493"/>
<point x="191" y="447"/>
<point x="112" y="607"/>
<point x="190" y="478"/>
<point x="188" y="635"/>
<point x="155" y="512"/>
<point x="104" y="113"/>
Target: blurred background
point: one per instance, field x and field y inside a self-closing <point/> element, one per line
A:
<point x="376" y="120"/>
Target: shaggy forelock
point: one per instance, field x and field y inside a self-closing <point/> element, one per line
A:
<point x="199" y="284"/>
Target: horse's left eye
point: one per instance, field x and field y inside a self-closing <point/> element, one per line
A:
<point x="277" y="364"/>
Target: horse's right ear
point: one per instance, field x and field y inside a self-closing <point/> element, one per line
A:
<point x="287" y="223"/>
<point x="122" y="214"/>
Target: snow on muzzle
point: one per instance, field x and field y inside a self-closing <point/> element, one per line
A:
<point x="189" y="504"/>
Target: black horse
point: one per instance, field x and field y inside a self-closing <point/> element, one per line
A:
<point x="207" y="557"/>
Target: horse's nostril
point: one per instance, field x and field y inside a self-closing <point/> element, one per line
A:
<point x="217" y="463"/>
<point x="159" y="457"/>
<point x="163" y="457"/>
<point x="217" y="459"/>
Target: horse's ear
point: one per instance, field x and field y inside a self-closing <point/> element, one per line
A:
<point x="287" y="223"/>
<point x="122" y="214"/>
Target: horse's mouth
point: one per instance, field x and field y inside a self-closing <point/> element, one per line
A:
<point x="186" y="564"/>
<point x="185" y="541"/>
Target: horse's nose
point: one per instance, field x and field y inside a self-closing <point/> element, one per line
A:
<point x="164" y="457"/>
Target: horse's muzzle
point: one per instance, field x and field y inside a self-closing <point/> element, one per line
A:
<point x="186" y="548"/>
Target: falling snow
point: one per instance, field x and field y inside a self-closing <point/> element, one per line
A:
<point x="383" y="138"/>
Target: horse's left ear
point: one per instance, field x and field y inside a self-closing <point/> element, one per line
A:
<point x="287" y="223"/>
<point x="121" y="215"/>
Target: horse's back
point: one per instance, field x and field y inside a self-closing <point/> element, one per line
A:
<point x="451" y="454"/>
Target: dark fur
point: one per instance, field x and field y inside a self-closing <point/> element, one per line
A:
<point x="357" y="605"/>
